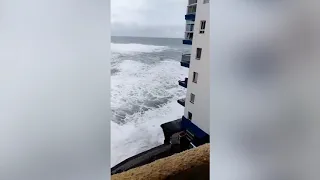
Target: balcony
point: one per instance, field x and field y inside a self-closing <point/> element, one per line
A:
<point x="190" y="17"/>
<point x="189" y="27"/>
<point x="191" y="12"/>
<point x="197" y="135"/>
<point x="182" y="101"/>
<point x="188" y="38"/>
<point x="191" y="2"/>
<point x="185" y="60"/>
<point x="184" y="83"/>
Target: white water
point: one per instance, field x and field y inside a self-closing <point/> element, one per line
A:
<point x="136" y="48"/>
<point x="134" y="85"/>
<point x="132" y="138"/>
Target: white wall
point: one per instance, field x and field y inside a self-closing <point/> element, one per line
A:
<point x="200" y="109"/>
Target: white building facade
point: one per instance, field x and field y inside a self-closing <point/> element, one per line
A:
<point x="196" y="117"/>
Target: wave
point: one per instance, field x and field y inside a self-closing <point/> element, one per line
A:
<point x="132" y="138"/>
<point x="138" y="87"/>
<point x="136" y="48"/>
<point x="143" y="96"/>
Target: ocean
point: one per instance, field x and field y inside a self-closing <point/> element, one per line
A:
<point x="144" y="91"/>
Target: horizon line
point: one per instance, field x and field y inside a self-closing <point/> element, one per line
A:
<point x="147" y="37"/>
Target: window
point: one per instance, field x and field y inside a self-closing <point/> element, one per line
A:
<point x="198" y="55"/>
<point x="205" y="1"/>
<point x="189" y="115"/>
<point x="192" y="97"/>
<point x="202" y="27"/>
<point x="195" y="77"/>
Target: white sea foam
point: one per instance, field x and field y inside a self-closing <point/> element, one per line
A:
<point x="136" y="48"/>
<point x="135" y="84"/>
<point x="138" y="82"/>
<point x="132" y="138"/>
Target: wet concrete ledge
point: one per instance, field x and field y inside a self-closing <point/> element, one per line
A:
<point x="162" y="151"/>
<point x="143" y="158"/>
<point x="187" y="165"/>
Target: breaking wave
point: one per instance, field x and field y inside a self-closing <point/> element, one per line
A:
<point x="136" y="48"/>
<point x="143" y="96"/>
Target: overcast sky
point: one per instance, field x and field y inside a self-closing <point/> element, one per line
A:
<point x="149" y="18"/>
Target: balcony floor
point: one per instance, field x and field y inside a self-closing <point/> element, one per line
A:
<point x="183" y="84"/>
<point x="190" y="17"/>
<point x="182" y="102"/>
<point x="185" y="64"/>
<point x="187" y="42"/>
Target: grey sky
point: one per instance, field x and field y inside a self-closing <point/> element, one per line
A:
<point x="149" y="18"/>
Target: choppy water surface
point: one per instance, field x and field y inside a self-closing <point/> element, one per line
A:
<point x="144" y="90"/>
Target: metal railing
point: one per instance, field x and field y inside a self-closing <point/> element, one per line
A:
<point x="189" y="22"/>
<point x="189" y="27"/>
<point x="184" y="83"/>
<point x="185" y="57"/>
<point x="192" y="9"/>
<point x="188" y="36"/>
<point x="192" y="2"/>
<point x="182" y="101"/>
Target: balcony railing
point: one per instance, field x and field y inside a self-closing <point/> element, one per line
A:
<point x="192" y="2"/>
<point x="188" y="38"/>
<point x="198" y="135"/>
<point x="189" y="27"/>
<point x="182" y="101"/>
<point x="184" y="83"/>
<point x="185" y="57"/>
<point x="185" y="60"/>
<point x="191" y="13"/>
<point x="192" y="9"/>
<point x="188" y="35"/>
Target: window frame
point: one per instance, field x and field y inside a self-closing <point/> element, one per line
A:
<point x="192" y="98"/>
<point x="195" y="77"/>
<point x="198" y="58"/>
<point x="189" y="117"/>
<point x="203" y="24"/>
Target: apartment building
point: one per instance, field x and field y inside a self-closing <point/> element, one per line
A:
<point x="196" y="118"/>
